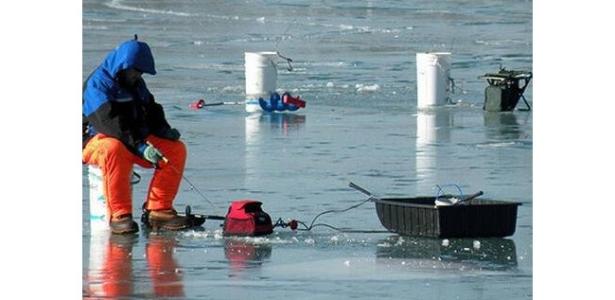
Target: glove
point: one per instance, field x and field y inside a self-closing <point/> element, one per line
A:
<point x="150" y="153"/>
<point x="169" y="134"/>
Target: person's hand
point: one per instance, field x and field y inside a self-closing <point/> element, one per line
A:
<point x="169" y="134"/>
<point x="151" y="153"/>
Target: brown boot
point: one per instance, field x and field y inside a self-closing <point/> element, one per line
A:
<point x="123" y="225"/>
<point x="167" y="220"/>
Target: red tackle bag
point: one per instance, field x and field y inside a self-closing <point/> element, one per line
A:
<point x="246" y="218"/>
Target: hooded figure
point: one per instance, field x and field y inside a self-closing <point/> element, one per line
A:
<point x="123" y="125"/>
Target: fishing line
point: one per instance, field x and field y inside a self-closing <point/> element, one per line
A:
<point x="284" y="33"/>
<point x="277" y="50"/>
<point x="183" y="176"/>
<point x="193" y="187"/>
<point x="451" y="83"/>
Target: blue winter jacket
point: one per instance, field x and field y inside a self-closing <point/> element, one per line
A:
<point x="126" y="113"/>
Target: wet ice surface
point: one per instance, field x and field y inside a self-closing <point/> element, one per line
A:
<point x="354" y="64"/>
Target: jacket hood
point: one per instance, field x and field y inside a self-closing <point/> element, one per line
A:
<point x="102" y="85"/>
<point x="130" y="54"/>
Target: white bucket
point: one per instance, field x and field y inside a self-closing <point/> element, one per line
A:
<point x="99" y="216"/>
<point x="261" y="78"/>
<point x="432" y="78"/>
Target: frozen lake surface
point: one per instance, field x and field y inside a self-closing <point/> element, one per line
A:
<point x="354" y="64"/>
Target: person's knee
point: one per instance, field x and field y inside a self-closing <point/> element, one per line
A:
<point x="114" y="148"/>
<point x="181" y="148"/>
<point x="179" y="152"/>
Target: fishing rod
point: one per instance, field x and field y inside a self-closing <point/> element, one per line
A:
<point x="166" y="160"/>
<point x="225" y="103"/>
<point x="201" y="103"/>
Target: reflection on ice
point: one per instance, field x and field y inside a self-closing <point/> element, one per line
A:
<point x="259" y="128"/>
<point x="285" y="122"/>
<point x="111" y="271"/>
<point x="110" y="265"/>
<point x="244" y="254"/>
<point x="432" y="128"/>
<point x="454" y="254"/>
<point x="502" y="126"/>
<point x="164" y="270"/>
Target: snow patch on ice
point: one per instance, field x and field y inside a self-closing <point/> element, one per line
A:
<point x="366" y="88"/>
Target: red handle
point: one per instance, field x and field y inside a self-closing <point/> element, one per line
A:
<point x="288" y="99"/>
<point x="197" y="104"/>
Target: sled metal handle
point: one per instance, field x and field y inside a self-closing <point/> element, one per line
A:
<point x="470" y="197"/>
<point x="364" y="191"/>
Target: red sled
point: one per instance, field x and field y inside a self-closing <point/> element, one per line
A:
<point x="246" y="218"/>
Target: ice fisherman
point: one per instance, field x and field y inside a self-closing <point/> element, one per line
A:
<point x="122" y="126"/>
